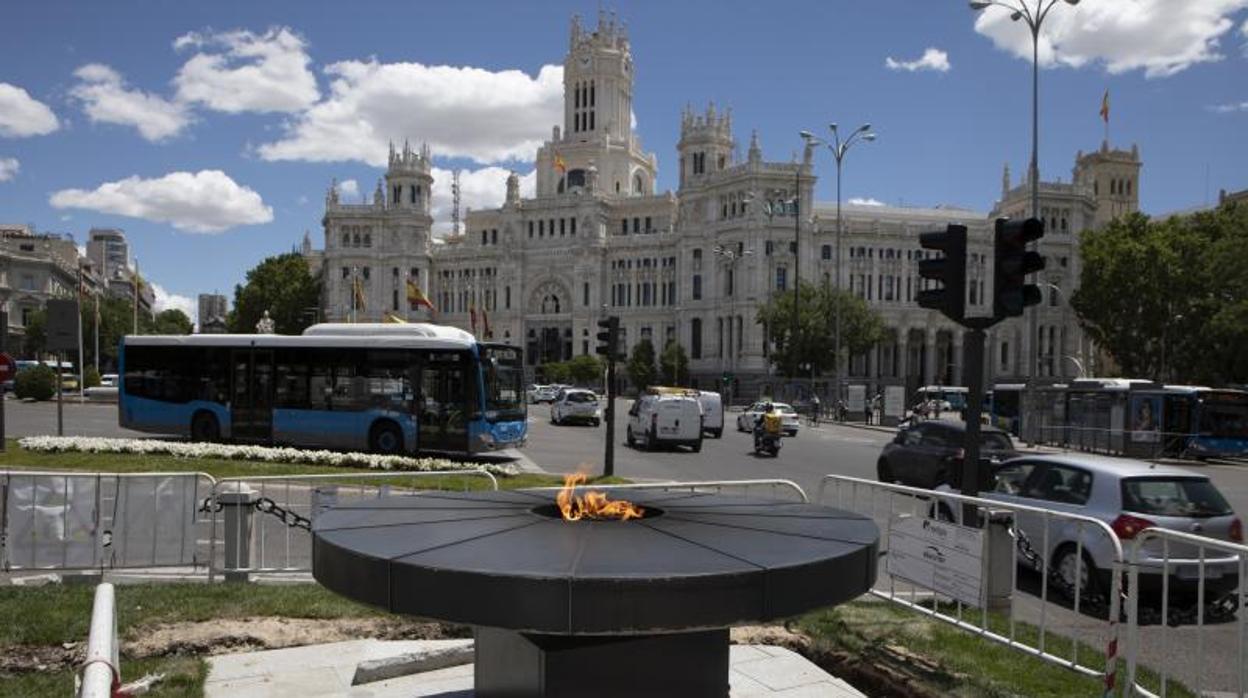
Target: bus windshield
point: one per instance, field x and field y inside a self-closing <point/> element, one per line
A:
<point x="504" y="376"/>
<point x="1225" y="418"/>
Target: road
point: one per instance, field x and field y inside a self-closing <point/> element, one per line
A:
<point x="805" y="459"/>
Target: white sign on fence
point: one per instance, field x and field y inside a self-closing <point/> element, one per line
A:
<point x="943" y="557"/>
<point x="895" y="401"/>
<point x="856" y="398"/>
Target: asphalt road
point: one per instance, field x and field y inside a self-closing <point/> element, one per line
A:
<point x="804" y="459"/>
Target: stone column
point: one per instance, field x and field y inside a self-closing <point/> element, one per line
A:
<point x="958" y="358"/>
<point x="903" y="356"/>
<point x="929" y="345"/>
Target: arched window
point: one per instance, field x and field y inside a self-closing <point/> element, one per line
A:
<point x="637" y="186"/>
<point x="368" y="240"/>
<point x="346" y="239"/>
<point x="356" y="240"/>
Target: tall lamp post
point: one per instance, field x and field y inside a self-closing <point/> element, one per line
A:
<point x="838" y="149"/>
<point x="1034" y="15"/>
<point x="732" y="257"/>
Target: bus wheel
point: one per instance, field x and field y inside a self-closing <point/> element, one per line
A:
<point x="204" y="427"/>
<point x="385" y="438"/>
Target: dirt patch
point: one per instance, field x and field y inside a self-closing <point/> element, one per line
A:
<point x="267" y="633"/>
<point x="22" y="658"/>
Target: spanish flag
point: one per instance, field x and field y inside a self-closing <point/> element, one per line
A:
<point x="415" y="298"/>
<point x="485" y="324"/>
<point x="472" y="314"/>
<point x="1105" y="106"/>
<point x="357" y="294"/>
<point x="560" y="164"/>
<point x="393" y="319"/>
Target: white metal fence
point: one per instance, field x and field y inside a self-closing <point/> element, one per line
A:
<point x="1047" y="599"/>
<point x="1201" y="645"/>
<point x="262" y="524"/>
<point x="772" y="486"/>
<point x="74" y="520"/>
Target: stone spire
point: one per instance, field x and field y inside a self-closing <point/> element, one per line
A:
<point x="756" y="154"/>
<point x="513" y="189"/>
<point x="1005" y="181"/>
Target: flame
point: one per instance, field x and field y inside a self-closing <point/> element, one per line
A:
<point x="593" y="505"/>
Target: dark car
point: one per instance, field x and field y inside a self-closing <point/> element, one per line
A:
<point x="930" y="453"/>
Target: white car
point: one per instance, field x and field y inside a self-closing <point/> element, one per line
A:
<point x="108" y="380"/>
<point x="788" y="417"/>
<point x="575" y="405"/>
<point x="542" y="393"/>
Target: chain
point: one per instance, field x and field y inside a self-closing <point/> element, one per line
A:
<point x="264" y="505"/>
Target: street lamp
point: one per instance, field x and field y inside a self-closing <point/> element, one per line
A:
<point x="838" y="149"/>
<point x="732" y="257"/>
<point x="1034" y="16"/>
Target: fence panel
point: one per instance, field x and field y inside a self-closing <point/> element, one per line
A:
<point x="262" y="525"/>
<point x="1047" y="577"/>
<point x="80" y="520"/>
<point x="774" y="488"/>
<point x="1192" y="630"/>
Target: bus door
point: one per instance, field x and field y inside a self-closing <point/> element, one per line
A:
<point x="443" y="401"/>
<point x="252" y="403"/>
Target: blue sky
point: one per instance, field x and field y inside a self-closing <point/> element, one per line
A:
<point x="209" y="132"/>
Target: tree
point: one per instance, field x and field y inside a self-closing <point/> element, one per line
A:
<point x="641" y="371"/>
<point x="861" y="327"/>
<point x="555" y="372"/>
<point x="36" y="338"/>
<point x="171" y="321"/>
<point x="281" y="285"/>
<point x="585" y="369"/>
<point x="674" y="364"/>
<point x="1169" y="298"/>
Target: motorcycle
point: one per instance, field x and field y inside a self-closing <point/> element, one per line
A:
<point x="766" y="444"/>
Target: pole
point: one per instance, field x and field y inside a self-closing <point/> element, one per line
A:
<point x="60" y="398"/>
<point x="97" y="333"/>
<point x="973" y="357"/>
<point x="797" y="263"/>
<point x="836" y="332"/>
<point x="4" y="346"/>
<point x="82" y="359"/>
<point x="608" y="460"/>
<point x="1033" y="369"/>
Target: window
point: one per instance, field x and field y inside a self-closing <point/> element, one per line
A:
<point x="366" y="272"/>
<point x="767" y="248"/>
<point x="697" y="287"/>
<point x="697" y="255"/>
<point x="782" y="278"/>
<point x="494" y="236"/>
<point x="825" y="252"/>
<point x="1061" y="484"/>
<point x="649" y="227"/>
<point x="1189" y="497"/>
<point x="485" y="237"/>
<point x="507" y="297"/>
<point x="346" y="272"/>
<point x="636" y="225"/>
<point x="530" y="229"/>
<point x="414" y="191"/>
<point x="573" y="226"/>
<point x="541" y="229"/>
<point x="1010" y="479"/>
<point x="563" y="226"/>
<point x="695" y="338"/>
<point x="585" y="294"/>
<point x="792" y="248"/>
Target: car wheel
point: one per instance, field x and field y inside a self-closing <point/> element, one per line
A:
<point x="883" y="472"/>
<point x="597" y="422"/>
<point x="718" y="433"/>
<point x="1064" y="572"/>
<point x="204" y="427"/>
<point x="652" y="442"/>
<point x="697" y="446"/>
<point x="385" y="438"/>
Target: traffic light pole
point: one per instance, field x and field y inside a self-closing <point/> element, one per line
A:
<point x="608" y="468"/>
<point x="973" y="359"/>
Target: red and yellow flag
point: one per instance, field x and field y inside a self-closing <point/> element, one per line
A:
<point x="416" y="298"/>
<point x="561" y="164"/>
<point x="472" y="314"/>
<point x="1105" y="106"/>
<point x="357" y="292"/>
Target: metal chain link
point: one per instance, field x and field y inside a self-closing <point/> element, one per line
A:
<point x="264" y="505"/>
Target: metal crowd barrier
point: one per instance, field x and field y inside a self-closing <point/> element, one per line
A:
<point x="1037" y="622"/>
<point x="1218" y="623"/>
<point x="265" y="521"/>
<point x="773" y="485"/>
<point x="65" y="520"/>
<point x="100" y="674"/>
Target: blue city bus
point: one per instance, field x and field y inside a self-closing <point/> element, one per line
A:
<point x="385" y="388"/>
<point x="1209" y="423"/>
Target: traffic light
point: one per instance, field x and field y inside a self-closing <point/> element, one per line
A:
<point x="949" y="270"/>
<point x="1010" y="293"/>
<point x="609" y="337"/>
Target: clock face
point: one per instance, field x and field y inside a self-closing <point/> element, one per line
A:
<point x="584" y="60"/>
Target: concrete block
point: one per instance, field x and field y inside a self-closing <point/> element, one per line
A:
<point x="422" y="660"/>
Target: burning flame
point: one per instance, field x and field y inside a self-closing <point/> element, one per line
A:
<point x="593" y="505"/>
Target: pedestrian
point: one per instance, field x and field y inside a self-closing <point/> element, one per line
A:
<point x="934" y="408"/>
<point x="866" y="411"/>
<point x="877" y="408"/>
<point x="814" y="409"/>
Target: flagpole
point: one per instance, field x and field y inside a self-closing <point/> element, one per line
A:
<point x="137" y="282"/>
<point x="82" y="359"/>
<point x="97" y="331"/>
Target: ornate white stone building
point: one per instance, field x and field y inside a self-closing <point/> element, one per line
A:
<point x="597" y="239"/>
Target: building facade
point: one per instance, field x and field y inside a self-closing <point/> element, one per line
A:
<point x="212" y="311"/>
<point x="693" y="266"/>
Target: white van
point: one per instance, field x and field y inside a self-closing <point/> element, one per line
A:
<point x="712" y="413"/>
<point x="654" y="420"/>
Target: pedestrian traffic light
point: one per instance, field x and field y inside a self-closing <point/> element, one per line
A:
<point x="1012" y="264"/>
<point x="609" y="337"/>
<point x="949" y="270"/>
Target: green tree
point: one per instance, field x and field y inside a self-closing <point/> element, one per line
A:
<point x="37" y="382"/>
<point x="555" y="372"/>
<point x="674" y="364"/>
<point x="116" y="321"/>
<point x="171" y="321"/>
<point x="641" y="370"/>
<point x="281" y="285"/>
<point x="861" y="327"/>
<point x="35" y="341"/>
<point x="585" y="369"/>
<point x="1168" y="299"/>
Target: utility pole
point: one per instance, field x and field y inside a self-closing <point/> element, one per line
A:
<point x="608" y="346"/>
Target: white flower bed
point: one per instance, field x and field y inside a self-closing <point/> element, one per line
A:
<point x="183" y="449"/>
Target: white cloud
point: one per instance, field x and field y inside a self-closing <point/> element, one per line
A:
<point x="349" y="187"/>
<point x="465" y="112"/>
<point x="165" y="300"/>
<point x="478" y="189"/>
<point x="932" y="59"/>
<point x="106" y="98"/>
<point x="1160" y="37"/>
<point x="22" y="115"/>
<point x="9" y="168"/>
<point x="1229" y="108"/>
<point x="239" y="71"/>
<point x="207" y="201"/>
<point x="868" y="201"/>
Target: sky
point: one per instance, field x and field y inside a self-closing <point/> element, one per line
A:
<point x="210" y="132"/>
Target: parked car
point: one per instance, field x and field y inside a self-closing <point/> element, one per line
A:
<point x="1129" y="495"/>
<point x="654" y="420"/>
<point x="108" y="380"/>
<point x="930" y="453"/>
<point x="575" y="405"/>
<point x="746" y="420"/>
<point x="541" y="393"/>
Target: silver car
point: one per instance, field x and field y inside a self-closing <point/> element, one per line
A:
<point x="1129" y="496"/>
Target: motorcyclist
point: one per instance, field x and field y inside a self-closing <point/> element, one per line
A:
<point x="760" y="423"/>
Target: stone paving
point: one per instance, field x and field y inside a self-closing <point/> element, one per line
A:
<point x="755" y="671"/>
